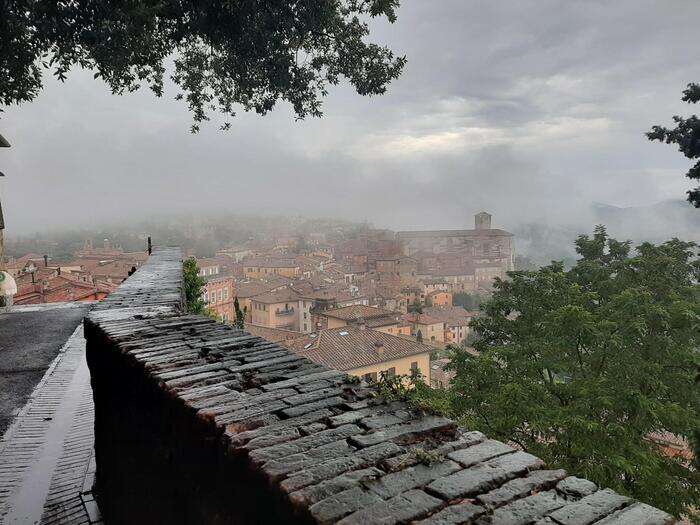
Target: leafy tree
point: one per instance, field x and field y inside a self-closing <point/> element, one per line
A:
<point x="583" y="367"/>
<point x="468" y="301"/>
<point x="240" y="314"/>
<point x="193" y="287"/>
<point x="249" y="53"/>
<point x="416" y="307"/>
<point x="686" y="135"/>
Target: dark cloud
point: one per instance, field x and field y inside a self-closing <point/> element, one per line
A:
<point x="530" y="109"/>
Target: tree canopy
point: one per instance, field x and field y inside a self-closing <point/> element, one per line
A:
<point x="586" y="368"/>
<point x="686" y="135"/>
<point x="193" y="284"/>
<point x="226" y="54"/>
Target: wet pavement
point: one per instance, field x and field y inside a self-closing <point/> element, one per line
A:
<point x="46" y="456"/>
<point x="30" y="338"/>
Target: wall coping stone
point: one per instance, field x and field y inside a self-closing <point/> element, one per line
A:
<point x="332" y="450"/>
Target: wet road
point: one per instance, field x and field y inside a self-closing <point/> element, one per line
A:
<point x="46" y="456"/>
<point x="30" y="338"/>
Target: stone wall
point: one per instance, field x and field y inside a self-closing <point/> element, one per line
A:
<point x="197" y="422"/>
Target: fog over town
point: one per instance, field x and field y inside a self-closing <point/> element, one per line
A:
<point x="535" y="112"/>
<point x="350" y="261"/>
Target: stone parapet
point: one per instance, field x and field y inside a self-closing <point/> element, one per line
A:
<point x="198" y="422"/>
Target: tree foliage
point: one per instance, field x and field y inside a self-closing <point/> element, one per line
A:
<point x="240" y="314"/>
<point x="193" y="284"/>
<point x="416" y="307"/>
<point x="227" y="54"/>
<point x="585" y="367"/>
<point x="468" y="301"/>
<point x="686" y="135"/>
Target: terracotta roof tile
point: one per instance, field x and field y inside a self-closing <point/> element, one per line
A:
<point x="347" y="348"/>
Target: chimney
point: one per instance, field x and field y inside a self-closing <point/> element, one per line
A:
<point x="58" y="270"/>
<point x="46" y="261"/>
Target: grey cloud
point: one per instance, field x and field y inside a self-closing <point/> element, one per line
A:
<point x="530" y="109"/>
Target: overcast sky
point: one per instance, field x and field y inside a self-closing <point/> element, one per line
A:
<point x="530" y="110"/>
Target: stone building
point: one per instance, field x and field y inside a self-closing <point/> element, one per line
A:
<point x="484" y="250"/>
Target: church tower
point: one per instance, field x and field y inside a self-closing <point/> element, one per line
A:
<point x="482" y="221"/>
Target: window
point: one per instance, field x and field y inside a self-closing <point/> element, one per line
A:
<point x="371" y="377"/>
<point x="225" y="318"/>
<point x="391" y="372"/>
<point x="221" y="295"/>
<point x="414" y="365"/>
<point x="225" y="294"/>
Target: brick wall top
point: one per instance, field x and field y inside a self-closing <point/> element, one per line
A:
<point x="331" y="447"/>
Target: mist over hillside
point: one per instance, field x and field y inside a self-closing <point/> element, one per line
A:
<point x="541" y="243"/>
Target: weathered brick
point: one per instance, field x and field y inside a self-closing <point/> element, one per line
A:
<point x="309" y="378"/>
<point x="519" y="487"/>
<point x="238" y="437"/>
<point x="312" y="428"/>
<point x="283" y="359"/>
<point x="375" y="422"/>
<point x="576" y="487"/>
<point x="310" y="407"/>
<point x="308" y="397"/>
<point x="267" y="440"/>
<point x="325" y="489"/>
<point x="245" y="401"/>
<point x="475" y="480"/>
<point x="454" y="514"/>
<point x="591" y="508"/>
<point x="411" y="458"/>
<point x="356" y="414"/>
<point x="303" y="444"/>
<point x="638" y="514"/>
<point x="246" y="412"/>
<point x="406" y="432"/>
<point x="184" y="381"/>
<point x="308" y="459"/>
<point x="408" y="506"/>
<point x="315" y="385"/>
<point x="484" y="477"/>
<point x="526" y="510"/>
<point x="335" y="507"/>
<point x="480" y="452"/>
<point x="330" y="469"/>
<point x="395" y="483"/>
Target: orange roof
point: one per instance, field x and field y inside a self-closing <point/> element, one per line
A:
<point x="347" y="348"/>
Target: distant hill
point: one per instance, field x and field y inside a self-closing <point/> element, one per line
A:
<point x="658" y="222"/>
<point x="541" y="243"/>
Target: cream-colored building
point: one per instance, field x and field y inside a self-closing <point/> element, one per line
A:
<point x="262" y="268"/>
<point x="430" y="328"/>
<point x="278" y="309"/>
<point x="364" y="353"/>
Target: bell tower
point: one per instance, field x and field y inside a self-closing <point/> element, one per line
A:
<point x="482" y="221"/>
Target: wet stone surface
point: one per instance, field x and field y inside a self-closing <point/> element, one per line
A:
<point x="321" y="448"/>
